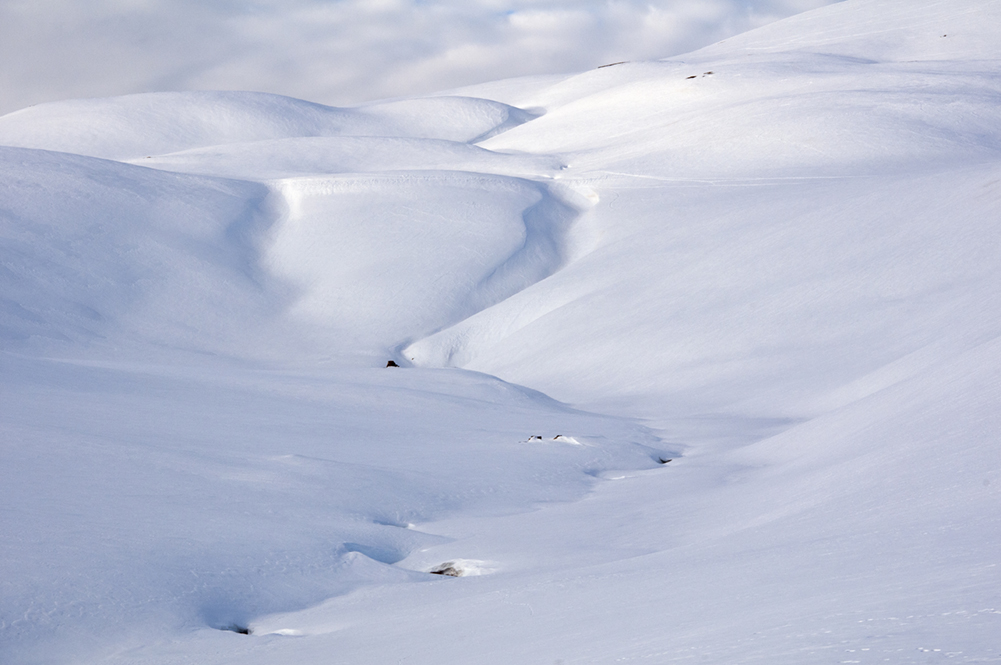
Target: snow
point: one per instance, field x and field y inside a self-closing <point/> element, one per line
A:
<point x="782" y="276"/>
<point x="148" y="124"/>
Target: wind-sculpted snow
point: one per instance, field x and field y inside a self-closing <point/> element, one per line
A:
<point x="106" y="255"/>
<point x="844" y="205"/>
<point x="767" y="115"/>
<point x="142" y="279"/>
<point x="142" y="253"/>
<point x="391" y="258"/>
<point x="137" y="126"/>
<point x="282" y="158"/>
<point x="758" y="296"/>
<point x="150" y="500"/>
<point x="779" y="254"/>
<point x="867" y="535"/>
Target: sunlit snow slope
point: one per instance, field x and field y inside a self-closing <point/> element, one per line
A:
<point x="775" y="262"/>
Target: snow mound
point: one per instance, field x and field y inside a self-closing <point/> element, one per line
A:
<point x="433" y="249"/>
<point x="136" y="126"/>
<point x="104" y="255"/>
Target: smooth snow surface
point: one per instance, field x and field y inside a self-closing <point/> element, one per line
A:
<point x="763" y="280"/>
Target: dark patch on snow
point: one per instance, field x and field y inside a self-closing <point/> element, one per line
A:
<point x="448" y="569"/>
<point x="689" y="77"/>
<point x="611" y="64"/>
<point x="663" y="460"/>
<point x="236" y="628"/>
<point x="391" y="364"/>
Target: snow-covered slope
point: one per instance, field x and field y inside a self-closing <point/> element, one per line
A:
<point x="151" y="124"/>
<point x="774" y="261"/>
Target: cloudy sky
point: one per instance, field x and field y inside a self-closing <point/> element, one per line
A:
<point x="340" y="51"/>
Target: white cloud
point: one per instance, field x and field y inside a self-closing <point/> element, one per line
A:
<point x="340" y="51"/>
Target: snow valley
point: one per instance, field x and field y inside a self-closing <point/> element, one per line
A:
<point x="698" y="361"/>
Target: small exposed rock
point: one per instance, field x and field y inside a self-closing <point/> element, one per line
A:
<point x="448" y="568"/>
<point x="391" y="364"/>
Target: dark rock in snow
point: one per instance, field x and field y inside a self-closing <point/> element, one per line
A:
<point x="448" y="569"/>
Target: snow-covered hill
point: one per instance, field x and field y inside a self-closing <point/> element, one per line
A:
<point x="773" y="262"/>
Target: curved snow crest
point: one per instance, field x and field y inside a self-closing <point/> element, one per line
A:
<point x="387" y="258"/>
<point x="463" y="119"/>
<point x="136" y="126"/>
<point x="318" y="155"/>
<point x="492" y="321"/>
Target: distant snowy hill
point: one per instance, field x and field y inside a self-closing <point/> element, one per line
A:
<point x="763" y="279"/>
